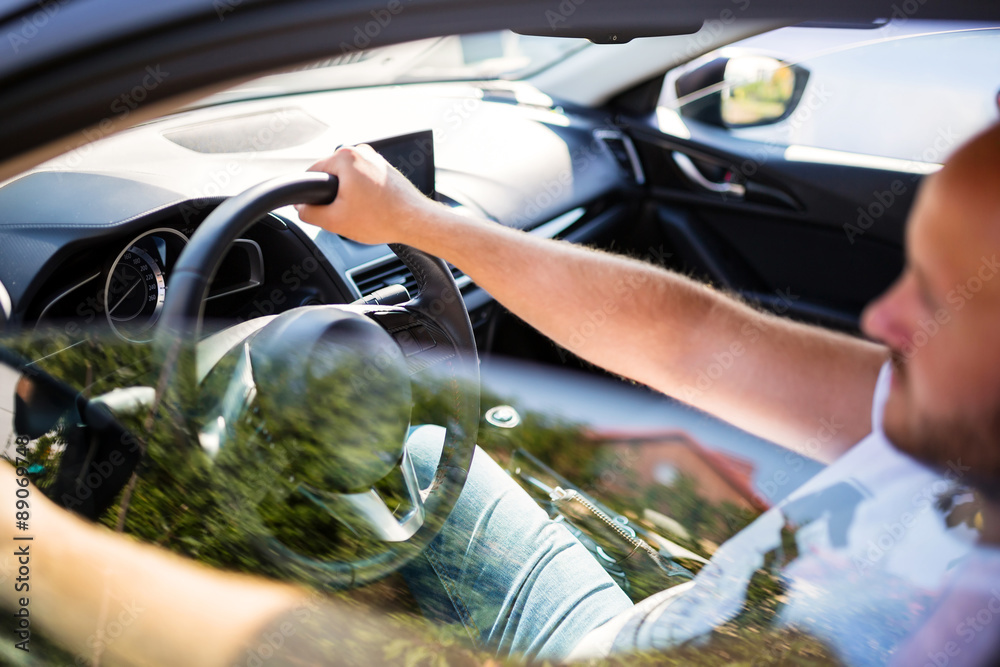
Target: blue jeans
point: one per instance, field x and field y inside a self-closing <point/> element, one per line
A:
<point x="520" y="583"/>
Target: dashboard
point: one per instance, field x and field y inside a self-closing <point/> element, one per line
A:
<point x="136" y="283"/>
<point x="88" y="241"/>
<point x="120" y="283"/>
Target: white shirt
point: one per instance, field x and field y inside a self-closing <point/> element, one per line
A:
<point x="862" y="550"/>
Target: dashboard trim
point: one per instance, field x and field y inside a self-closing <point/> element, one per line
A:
<point x="64" y="294"/>
<point x="256" y="271"/>
<point x="5" y="304"/>
<point x="633" y="155"/>
<point x="559" y="224"/>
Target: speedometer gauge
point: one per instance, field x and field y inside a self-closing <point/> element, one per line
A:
<point x="136" y="285"/>
<point x="135" y="291"/>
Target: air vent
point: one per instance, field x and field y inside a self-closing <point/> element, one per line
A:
<point x="391" y="271"/>
<point x="623" y="150"/>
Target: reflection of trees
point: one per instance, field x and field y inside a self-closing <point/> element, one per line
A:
<point x="961" y="505"/>
<point x="747" y="646"/>
<point x="218" y="511"/>
<point x="710" y="524"/>
<point x="230" y="511"/>
<point x="222" y="511"/>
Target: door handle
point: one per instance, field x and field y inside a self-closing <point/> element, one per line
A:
<point x="687" y="166"/>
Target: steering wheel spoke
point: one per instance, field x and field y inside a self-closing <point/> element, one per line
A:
<point x="368" y="514"/>
<point x="424" y="344"/>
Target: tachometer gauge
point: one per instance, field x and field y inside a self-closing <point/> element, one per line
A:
<point x="136" y="285"/>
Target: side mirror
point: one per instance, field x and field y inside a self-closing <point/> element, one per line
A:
<point x="741" y="91"/>
<point x="72" y="447"/>
<point x="759" y="90"/>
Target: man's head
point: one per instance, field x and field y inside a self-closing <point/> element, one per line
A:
<point x="941" y="318"/>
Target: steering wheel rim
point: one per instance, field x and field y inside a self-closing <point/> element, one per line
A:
<point x="438" y="301"/>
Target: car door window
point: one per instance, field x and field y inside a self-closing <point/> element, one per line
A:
<point x="881" y="93"/>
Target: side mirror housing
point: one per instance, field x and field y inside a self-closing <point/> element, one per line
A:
<point x="741" y="91"/>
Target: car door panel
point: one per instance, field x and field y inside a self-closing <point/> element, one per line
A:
<point x="817" y="241"/>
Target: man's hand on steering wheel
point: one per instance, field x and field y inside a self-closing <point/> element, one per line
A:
<point x="375" y="203"/>
<point x="279" y="362"/>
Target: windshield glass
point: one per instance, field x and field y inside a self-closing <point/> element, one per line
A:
<point x="660" y="530"/>
<point x="500" y="55"/>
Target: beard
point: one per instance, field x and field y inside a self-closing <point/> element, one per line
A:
<point x="966" y="446"/>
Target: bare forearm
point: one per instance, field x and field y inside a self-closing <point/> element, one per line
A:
<point x="624" y="315"/>
<point x="98" y="593"/>
<point x="787" y="382"/>
<point x="766" y="374"/>
<point x="111" y="600"/>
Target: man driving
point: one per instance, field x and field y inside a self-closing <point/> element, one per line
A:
<point x="917" y="416"/>
<point x="867" y="553"/>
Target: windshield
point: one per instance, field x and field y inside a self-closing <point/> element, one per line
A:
<point x="500" y="55"/>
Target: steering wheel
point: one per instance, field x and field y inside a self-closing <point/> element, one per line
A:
<point x="375" y="349"/>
